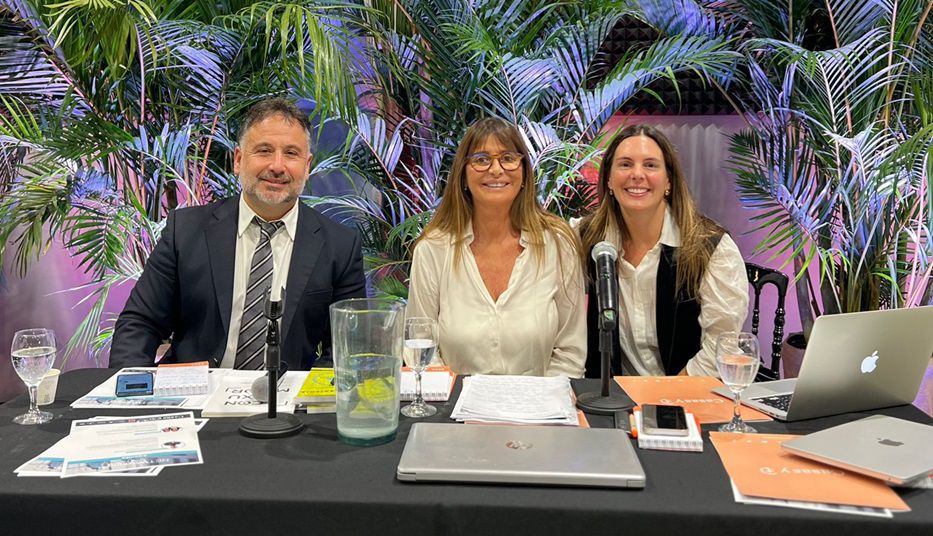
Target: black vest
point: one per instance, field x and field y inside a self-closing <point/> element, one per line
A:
<point x="677" y="319"/>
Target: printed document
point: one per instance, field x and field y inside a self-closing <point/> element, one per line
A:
<point x="517" y="400"/>
<point x="105" y="445"/>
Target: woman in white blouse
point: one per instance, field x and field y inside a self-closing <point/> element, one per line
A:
<point x="682" y="280"/>
<point x="502" y="277"/>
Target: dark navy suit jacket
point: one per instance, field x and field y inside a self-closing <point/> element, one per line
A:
<point x="186" y="289"/>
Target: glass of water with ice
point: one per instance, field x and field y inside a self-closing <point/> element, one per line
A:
<point x="33" y="353"/>
<point x="737" y="360"/>
<point x="420" y="347"/>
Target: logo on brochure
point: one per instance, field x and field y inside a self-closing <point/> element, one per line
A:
<point x="889" y="442"/>
<point x="870" y="363"/>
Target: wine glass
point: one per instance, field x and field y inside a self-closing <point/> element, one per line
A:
<point x="420" y="347"/>
<point x="737" y="360"/>
<point x="33" y="353"/>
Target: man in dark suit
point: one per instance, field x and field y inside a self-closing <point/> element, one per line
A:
<point x="205" y="281"/>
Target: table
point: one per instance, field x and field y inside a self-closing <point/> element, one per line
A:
<point x="313" y="484"/>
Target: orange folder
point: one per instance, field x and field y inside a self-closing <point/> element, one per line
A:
<point x="759" y="468"/>
<point x="694" y="393"/>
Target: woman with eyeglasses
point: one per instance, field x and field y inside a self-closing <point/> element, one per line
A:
<point x="682" y="279"/>
<point x="502" y="277"/>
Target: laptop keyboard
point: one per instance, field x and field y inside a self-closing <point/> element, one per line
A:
<point x="781" y="402"/>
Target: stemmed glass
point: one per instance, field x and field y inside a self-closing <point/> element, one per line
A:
<point x="420" y="347"/>
<point x="33" y="353"/>
<point x="737" y="360"/>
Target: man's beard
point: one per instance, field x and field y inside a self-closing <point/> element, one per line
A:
<point x="269" y="198"/>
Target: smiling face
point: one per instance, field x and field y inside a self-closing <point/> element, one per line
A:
<point x="494" y="186"/>
<point x="273" y="162"/>
<point x="638" y="179"/>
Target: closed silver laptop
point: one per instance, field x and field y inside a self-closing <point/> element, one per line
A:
<point x="549" y="455"/>
<point x="891" y="449"/>
<point x="853" y="362"/>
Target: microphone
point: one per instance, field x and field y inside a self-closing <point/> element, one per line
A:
<point x="273" y="312"/>
<point x="607" y="286"/>
<point x="271" y="425"/>
<point x="260" y="386"/>
<point x="606" y="401"/>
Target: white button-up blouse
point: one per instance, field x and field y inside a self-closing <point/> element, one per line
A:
<point x="536" y="327"/>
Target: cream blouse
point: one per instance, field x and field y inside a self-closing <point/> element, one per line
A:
<point x="537" y="327"/>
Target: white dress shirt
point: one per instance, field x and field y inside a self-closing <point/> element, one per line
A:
<point x="247" y="236"/>
<point x="537" y="327"/>
<point x="723" y="297"/>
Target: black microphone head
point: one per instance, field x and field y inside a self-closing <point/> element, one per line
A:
<point x="604" y="248"/>
<point x="273" y="308"/>
<point x="260" y="386"/>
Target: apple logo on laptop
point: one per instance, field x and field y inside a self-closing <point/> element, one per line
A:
<point x="889" y="442"/>
<point x="870" y="363"/>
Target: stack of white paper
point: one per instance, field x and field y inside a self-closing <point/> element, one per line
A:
<point x="516" y="400"/>
<point x="120" y="446"/>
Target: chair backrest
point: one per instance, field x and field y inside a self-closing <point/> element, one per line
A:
<point x="758" y="277"/>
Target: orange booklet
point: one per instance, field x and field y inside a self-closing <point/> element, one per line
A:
<point x="759" y="468"/>
<point x="694" y="393"/>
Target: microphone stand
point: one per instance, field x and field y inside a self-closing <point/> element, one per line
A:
<point x="272" y="425"/>
<point x="606" y="402"/>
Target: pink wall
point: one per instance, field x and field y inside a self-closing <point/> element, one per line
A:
<point x="40" y="299"/>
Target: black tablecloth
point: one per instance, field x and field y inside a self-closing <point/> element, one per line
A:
<point x="313" y="484"/>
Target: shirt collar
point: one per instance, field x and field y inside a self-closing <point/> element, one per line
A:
<point x="290" y="219"/>
<point x="670" y="233"/>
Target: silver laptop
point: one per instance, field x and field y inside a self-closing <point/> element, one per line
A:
<point x="853" y="362"/>
<point x="891" y="449"/>
<point x="550" y="455"/>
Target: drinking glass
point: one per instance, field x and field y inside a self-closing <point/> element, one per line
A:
<point x="737" y="360"/>
<point x="33" y="353"/>
<point x="420" y="347"/>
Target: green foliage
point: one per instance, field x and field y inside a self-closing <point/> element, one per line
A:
<point x="837" y="157"/>
<point x="122" y="111"/>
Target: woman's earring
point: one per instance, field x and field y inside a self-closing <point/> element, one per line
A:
<point x="667" y="193"/>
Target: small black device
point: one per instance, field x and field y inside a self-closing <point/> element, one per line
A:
<point x="663" y="420"/>
<point x="134" y="384"/>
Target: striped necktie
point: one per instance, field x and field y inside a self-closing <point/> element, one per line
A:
<point x="252" y="340"/>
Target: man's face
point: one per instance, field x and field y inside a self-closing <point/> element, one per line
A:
<point x="272" y="163"/>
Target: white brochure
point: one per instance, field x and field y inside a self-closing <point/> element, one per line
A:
<point x="116" y="444"/>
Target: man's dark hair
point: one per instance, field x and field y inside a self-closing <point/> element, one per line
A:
<point x="270" y="107"/>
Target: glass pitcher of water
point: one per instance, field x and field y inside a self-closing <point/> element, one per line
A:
<point x="367" y="349"/>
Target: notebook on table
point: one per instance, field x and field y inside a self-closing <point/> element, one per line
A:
<point x="548" y="455"/>
<point x="853" y="362"/>
<point x="888" y="448"/>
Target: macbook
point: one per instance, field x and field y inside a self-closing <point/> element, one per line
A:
<point x="506" y="454"/>
<point x="853" y="362"/>
<point x="891" y="449"/>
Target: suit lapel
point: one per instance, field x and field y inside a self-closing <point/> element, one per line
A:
<point x="221" y="246"/>
<point x="305" y="254"/>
